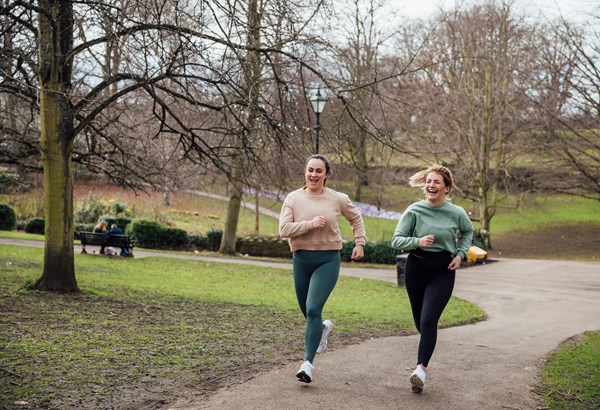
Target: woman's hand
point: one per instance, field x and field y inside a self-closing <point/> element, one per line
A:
<point x="455" y="264"/>
<point x="358" y="252"/>
<point x="319" y="221"/>
<point x="426" y="241"/>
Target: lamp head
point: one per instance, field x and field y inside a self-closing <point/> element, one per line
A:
<point x="318" y="101"/>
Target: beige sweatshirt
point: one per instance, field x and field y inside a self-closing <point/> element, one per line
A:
<point x="298" y="210"/>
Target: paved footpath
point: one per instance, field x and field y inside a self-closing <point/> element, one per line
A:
<point x="532" y="306"/>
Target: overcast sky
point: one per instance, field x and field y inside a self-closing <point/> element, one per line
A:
<point x="549" y="8"/>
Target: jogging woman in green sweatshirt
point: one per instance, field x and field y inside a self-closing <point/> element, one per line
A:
<point x="438" y="235"/>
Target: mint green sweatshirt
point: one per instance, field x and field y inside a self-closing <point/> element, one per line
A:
<point x="449" y="223"/>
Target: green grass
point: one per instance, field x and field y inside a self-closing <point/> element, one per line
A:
<point x="20" y="235"/>
<point x="151" y="323"/>
<point x="571" y="375"/>
<point x="542" y="211"/>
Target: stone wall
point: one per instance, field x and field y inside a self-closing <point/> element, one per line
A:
<point x="272" y="246"/>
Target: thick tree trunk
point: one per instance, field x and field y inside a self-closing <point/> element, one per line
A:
<point x="57" y="136"/>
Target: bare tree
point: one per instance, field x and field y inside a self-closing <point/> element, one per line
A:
<point x="358" y="64"/>
<point x="159" y="58"/>
<point x="473" y="98"/>
<point x="575" y="120"/>
<point x="19" y="131"/>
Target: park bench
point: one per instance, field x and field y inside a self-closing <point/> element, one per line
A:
<point x="98" y="239"/>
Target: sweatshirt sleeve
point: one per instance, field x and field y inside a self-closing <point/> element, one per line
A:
<point x="466" y="234"/>
<point x="403" y="238"/>
<point x="354" y="217"/>
<point x="288" y="228"/>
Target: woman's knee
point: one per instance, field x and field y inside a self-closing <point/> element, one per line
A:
<point x="429" y="323"/>
<point x="313" y="312"/>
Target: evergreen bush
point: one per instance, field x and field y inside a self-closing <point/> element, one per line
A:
<point x="174" y="238"/>
<point x="375" y="252"/>
<point x="35" y="225"/>
<point x="8" y="219"/>
<point x="214" y="239"/>
<point x="146" y="233"/>
<point x="198" y="241"/>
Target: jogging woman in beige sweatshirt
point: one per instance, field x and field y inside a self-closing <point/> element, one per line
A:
<point x="309" y="218"/>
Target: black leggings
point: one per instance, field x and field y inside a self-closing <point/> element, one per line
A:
<point x="429" y="284"/>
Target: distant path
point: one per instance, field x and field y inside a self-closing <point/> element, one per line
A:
<point x="532" y="306"/>
<point x="245" y="204"/>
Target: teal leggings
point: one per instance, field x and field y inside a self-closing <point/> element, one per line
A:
<point x="315" y="276"/>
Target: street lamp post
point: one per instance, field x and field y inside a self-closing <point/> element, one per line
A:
<point x="318" y="103"/>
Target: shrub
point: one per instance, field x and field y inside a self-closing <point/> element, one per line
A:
<point x="8" y="219"/>
<point x="375" y="252"/>
<point x="35" y="225"/>
<point x="28" y="207"/>
<point x="198" y="241"/>
<point x="381" y="252"/>
<point x="146" y="233"/>
<point x="92" y="209"/>
<point x="174" y="238"/>
<point x="89" y="210"/>
<point x="150" y="234"/>
<point x="214" y="239"/>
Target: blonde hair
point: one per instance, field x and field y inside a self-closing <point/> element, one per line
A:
<point x="101" y="226"/>
<point x="419" y="179"/>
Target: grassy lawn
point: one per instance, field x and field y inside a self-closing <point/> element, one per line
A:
<point x="571" y="376"/>
<point x="545" y="211"/>
<point x="164" y="324"/>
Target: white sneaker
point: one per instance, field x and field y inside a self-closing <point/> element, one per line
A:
<point x="305" y="372"/>
<point x="417" y="379"/>
<point x="327" y="328"/>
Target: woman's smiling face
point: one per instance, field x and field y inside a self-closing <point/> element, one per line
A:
<point x="315" y="175"/>
<point x="435" y="189"/>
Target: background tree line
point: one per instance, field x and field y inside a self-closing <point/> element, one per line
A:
<point x="170" y="95"/>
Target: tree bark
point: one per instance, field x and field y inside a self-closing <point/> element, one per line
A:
<point x="233" y="215"/>
<point x="57" y="136"/>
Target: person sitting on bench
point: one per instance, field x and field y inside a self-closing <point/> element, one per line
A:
<point x="101" y="228"/>
<point x="115" y="230"/>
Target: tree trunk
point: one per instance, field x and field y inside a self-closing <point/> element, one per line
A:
<point x="252" y="71"/>
<point x="233" y="214"/>
<point x="361" y="171"/>
<point x="56" y="123"/>
<point x="256" y="214"/>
